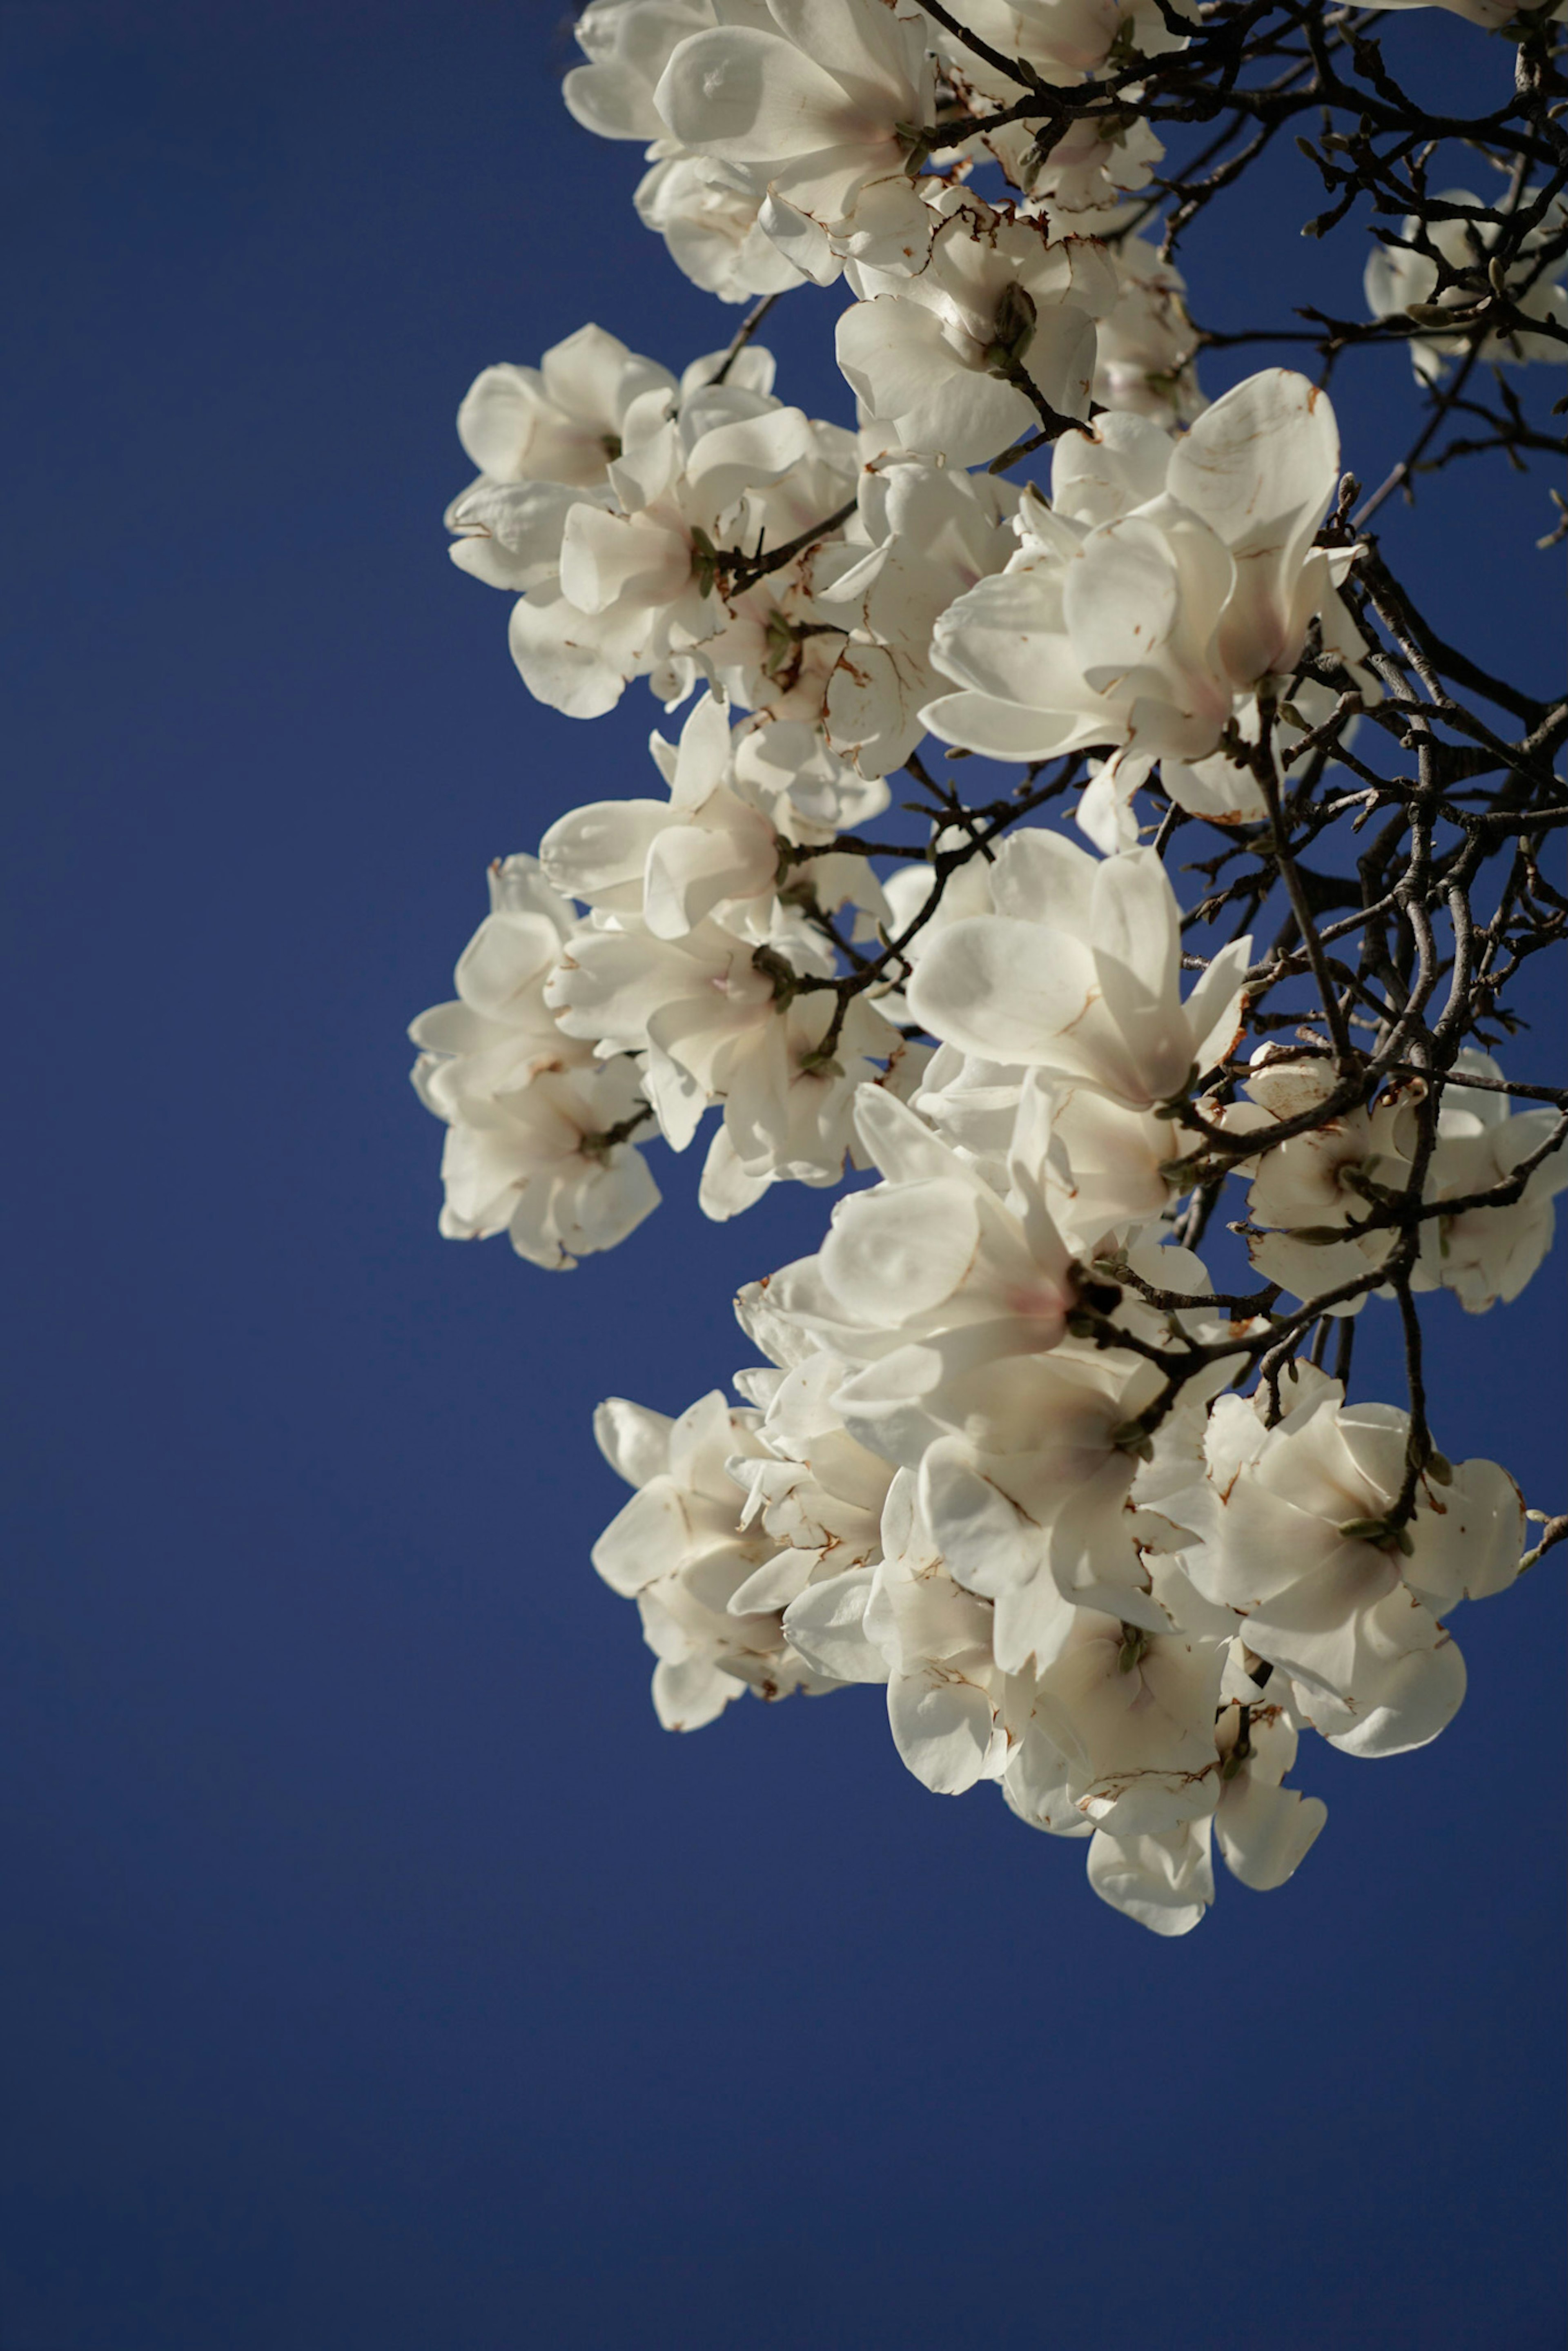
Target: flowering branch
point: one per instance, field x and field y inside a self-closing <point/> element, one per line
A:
<point x="1014" y="1449"/>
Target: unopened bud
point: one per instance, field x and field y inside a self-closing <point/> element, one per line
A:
<point x="1132" y="1436"/>
<point x="1013" y="328"/>
<point x="1439" y="314"/>
<point x="781" y="976"/>
<point x="1135" y="1647"/>
<point x="704" y="561"/>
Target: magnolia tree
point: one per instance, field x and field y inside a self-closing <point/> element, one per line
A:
<point x="1223" y="946"/>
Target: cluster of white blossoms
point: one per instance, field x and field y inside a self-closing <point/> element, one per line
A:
<point x="685" y="985"/>
<point x="997" y="1458"/>
<point x="1124" y="1608"/>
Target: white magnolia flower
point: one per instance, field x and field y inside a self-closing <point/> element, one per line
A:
<point x="1086" y="170"/>
<point x="786" y="767"/>
<point x="1034" y="1498"/>
<point x="1145" y="343"/>
<point x="624" y="575"/>
<point x="636" y="592"/>
<point x="1108" y="1173"/>
<point x="946" y="1306"/>
<point x="562" y="422"/>
<point x="1148" y="604"/>
<point x="1399" y="278"/>
<point x="946" y="1693"/>
<point x="934" y="353"/>
<point x="914" y="917"/>
<point x="508" y="535"/>
<point x="552" y="1169"/>
<point x="544" y="438"/>
<point x="1297" y="1543"/>
<point x="534" y="1143"/>
<point x="1265" y="1830"/>
<point x="1486" y="1254"/>
<point x="1108" y="1170"/>
<point x="1319" y="1182"/>
<point x="966" y="891"/>
<point x="1077" y="973"/>
<point x="815" y="112"/>
<point x="1108" y="1729"/>
<point x="671" y="862"/>
<point x="816" y="1493"/>
<point x="1132" y="1713"/>
<point x="972" y="1103"/>
<point x="711" y="229"/>
<point x="926" y="1280"/>
<point x="1112" y="1169"/>
<point x="1332" y="1176"/>
<point x="933" y="533"/>
<point x="679" y="1551"/>
<point x="721" y="1020"/>
<point x="1037" y="1783"/>
<point x="822" y="1496"/>
<point x="489" y="1040"/>
<point x="627" y="43"/>
<point x="708" y="226"/>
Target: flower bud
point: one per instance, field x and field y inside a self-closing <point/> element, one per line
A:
<point x="1012" y="331"/>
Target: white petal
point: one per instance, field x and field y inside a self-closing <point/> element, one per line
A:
<point x="562" y="665"/>
<point x="1416" y="1699"/>
<point x="1165" y="1883"/>
<point x="941" y="1727"/>
<point x="634" y="1440"/>
<point x="901" y="1250"/>
<point x="606" y="558"/>
<point x="651" y="1537"/>
<point x="743" y="94"/>
<point x="1265" y="1833"/>
<point x="827" y="1625"/>
<point x="1002" y="989"/>
<point x="691" y="1694"/>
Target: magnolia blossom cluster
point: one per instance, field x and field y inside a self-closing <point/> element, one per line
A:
<point x="787" y="138"/>
<point x="965" y="1469"/>
<point x="945" y="1481"/>
<point x="683" y="984"/>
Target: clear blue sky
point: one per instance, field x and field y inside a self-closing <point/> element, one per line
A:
<point x="376" y="1973"/>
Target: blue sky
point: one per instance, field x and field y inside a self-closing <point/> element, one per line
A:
<point x="378" y="1973"/>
